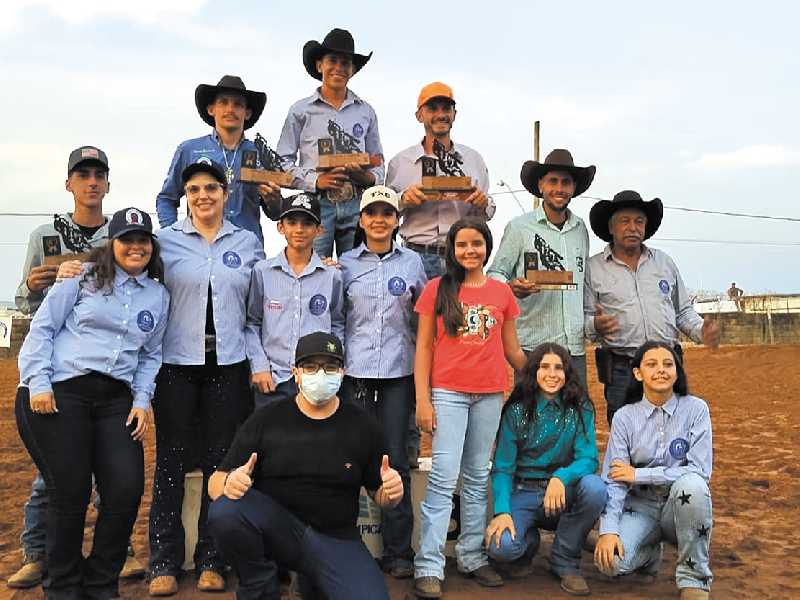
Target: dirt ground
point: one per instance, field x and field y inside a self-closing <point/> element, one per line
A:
<point x="755" y="554"/>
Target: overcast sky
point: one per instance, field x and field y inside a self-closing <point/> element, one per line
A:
<point x="692" y="102"/>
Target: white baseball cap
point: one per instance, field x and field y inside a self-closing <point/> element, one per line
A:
<point x="380" y="193"/>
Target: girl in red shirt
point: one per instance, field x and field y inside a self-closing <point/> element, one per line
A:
<point x="466" y="334"/>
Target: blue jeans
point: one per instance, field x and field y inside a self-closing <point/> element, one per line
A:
<point x="585" y="501"/>
<point x="255" y="530"/>
<point x="683" y="517"/>
<point x="283" y="391"/>
<point x="339" y="221"/>
<point x="388" y="401"/>
<point x="35" y="520"/>
<point x="466" y="426"/>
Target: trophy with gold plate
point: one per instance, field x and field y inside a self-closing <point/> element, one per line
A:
<point x="552" y="276"/>
<point x="339" y="150"/>
<point x="263" y="165"/>
<point x="452" y="183"/>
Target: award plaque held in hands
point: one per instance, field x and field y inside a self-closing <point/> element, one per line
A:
<point x="453" y="184"/>
<point x="263" y="165"/>
<point x="51" y="245"/>
<point x="339" y="150"/>
<point x="545" y="279"/>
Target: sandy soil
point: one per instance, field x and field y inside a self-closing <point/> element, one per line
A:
<point x="755" y="554"/>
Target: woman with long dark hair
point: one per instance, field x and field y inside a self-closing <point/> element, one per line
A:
<point x="466" y="334"/>
<point x="543" y="473"/>
<point x="382" y="280"/>
<point x="657" y="467"/>
<point x="87" y="371"/>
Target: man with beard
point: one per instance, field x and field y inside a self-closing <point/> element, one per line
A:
<point x="634" y="293"/>
<point x="560" y="241"/>
<point x="426" y="222"/>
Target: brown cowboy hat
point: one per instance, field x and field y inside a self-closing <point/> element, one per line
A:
<point x="339" y="41"/>
<point x="205" y="94"/>
<point x="602" y="211"/>
<point x="558" y="160"/>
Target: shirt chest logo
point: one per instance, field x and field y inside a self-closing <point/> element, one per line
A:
<point x="479" y="321"/>
<point x="397" y="286"/>
<point x="358" y="130"/>
<point x="231" y="259"/>
<point x="317" y="304"/>
<point x="679" y="448"/>
<point x="663" y="286"/>
<point x="145" y="321"/>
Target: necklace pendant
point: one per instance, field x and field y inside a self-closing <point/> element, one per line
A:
<point x="229" y="175"/>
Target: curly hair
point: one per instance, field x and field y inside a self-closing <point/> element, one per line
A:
<point x="573" y="394"/>
<point x="447" y="303"/>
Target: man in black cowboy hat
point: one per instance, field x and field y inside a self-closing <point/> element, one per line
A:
<point x="634" y="293"/>
<point x="346" y="124"/>
<point x="230" y="108"/>
<point x="560" y="241"/>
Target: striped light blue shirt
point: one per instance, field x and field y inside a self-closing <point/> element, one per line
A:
<point x="307" y="122"/>
<point x="190" y="264"/>
<point x="650" y="303"/>
<point x="661" y="443"/>
<point x="284" y="306"/>
<point x="379" y="298"/>
<point x="79" y="329"/>
<point x="547" y="316"/>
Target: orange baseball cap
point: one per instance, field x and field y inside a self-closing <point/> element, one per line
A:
<point x="437" y="89"/>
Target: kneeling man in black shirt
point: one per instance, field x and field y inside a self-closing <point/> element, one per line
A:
<point x="288" y="489"/>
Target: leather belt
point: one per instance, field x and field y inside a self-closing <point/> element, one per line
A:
<point x="427" y="248"/>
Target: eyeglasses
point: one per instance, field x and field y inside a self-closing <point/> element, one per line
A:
<point x="209" y="188"/>
<point x="312" y="368"/>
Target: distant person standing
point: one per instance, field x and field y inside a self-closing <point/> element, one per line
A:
<point x="736" y="294"/>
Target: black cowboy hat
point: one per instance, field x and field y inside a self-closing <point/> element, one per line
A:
<point x="339" y="41"/>
<point x="205" y="94"/>
<point x="602" y="211"/>
<point x="558" y="160"/>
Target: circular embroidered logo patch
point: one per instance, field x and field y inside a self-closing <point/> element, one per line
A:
<point x="145" y="320"/>
<point x="397" y="286"/>
<point x="678" y="448"/>
<point x="317" y="304"/>
<point x="232" y="260"/>
<point x="358" y="130"/>
<point x="664" y="286"/>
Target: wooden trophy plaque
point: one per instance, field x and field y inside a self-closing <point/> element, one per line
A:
<point x="252" y="173"/>
<point x="443" y="187"/>
<point x="547" y="280"/>
<point x="56" y="260"/>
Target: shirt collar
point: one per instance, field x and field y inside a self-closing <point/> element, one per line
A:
<point x="421" y="149"/>
<point x="669" y="406"/>
<point x="541" y="217"/>
<point x="121" y="277"/>
<point x="215" y="137"/>
<point x="280" y="261"/>
<point x="542" y="402"/>
<point x="350" y="98"/>
<point x="646" y="252"/>
<point x="187" y="226"/>
<point x="362" y="250"/>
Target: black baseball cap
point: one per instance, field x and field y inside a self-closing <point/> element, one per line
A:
<point x="204" y="165"/>
<point x="318" y="343"/>
<point x="86" y="154"/>
<point x="301" y="203"/>
<point x="127" y="220"/>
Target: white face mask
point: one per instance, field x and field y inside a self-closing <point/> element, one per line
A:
<point x="320" y="387"/>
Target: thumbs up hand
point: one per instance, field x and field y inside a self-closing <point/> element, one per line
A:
<point x="238" y="481"/>
<point x="391" y="491"/>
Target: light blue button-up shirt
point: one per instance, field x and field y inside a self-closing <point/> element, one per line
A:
<point x="547" y="316"/>
<point x="662" y="443"/>
<point x="650" y="303"/>
<point x="284" y="306"/>
<point x="243" y="206"/>
<point x="307" y="122"/>
<point x="79" y="329"/>
<point x="190" y="265"/>
<point x="379" y="295"/>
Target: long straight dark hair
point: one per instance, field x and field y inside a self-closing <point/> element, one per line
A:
<point x="447" y="303"/>
<point x="573" y="394"/>
<point x="635" y="390"/>
<point x="102" y="272"/>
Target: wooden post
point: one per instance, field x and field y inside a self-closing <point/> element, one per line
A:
<point x="536" y="154"/>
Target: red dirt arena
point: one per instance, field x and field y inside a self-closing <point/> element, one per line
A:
<point x="755" y="554"/>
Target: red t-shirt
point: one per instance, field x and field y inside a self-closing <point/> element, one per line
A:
<point x="474" y="361"/>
